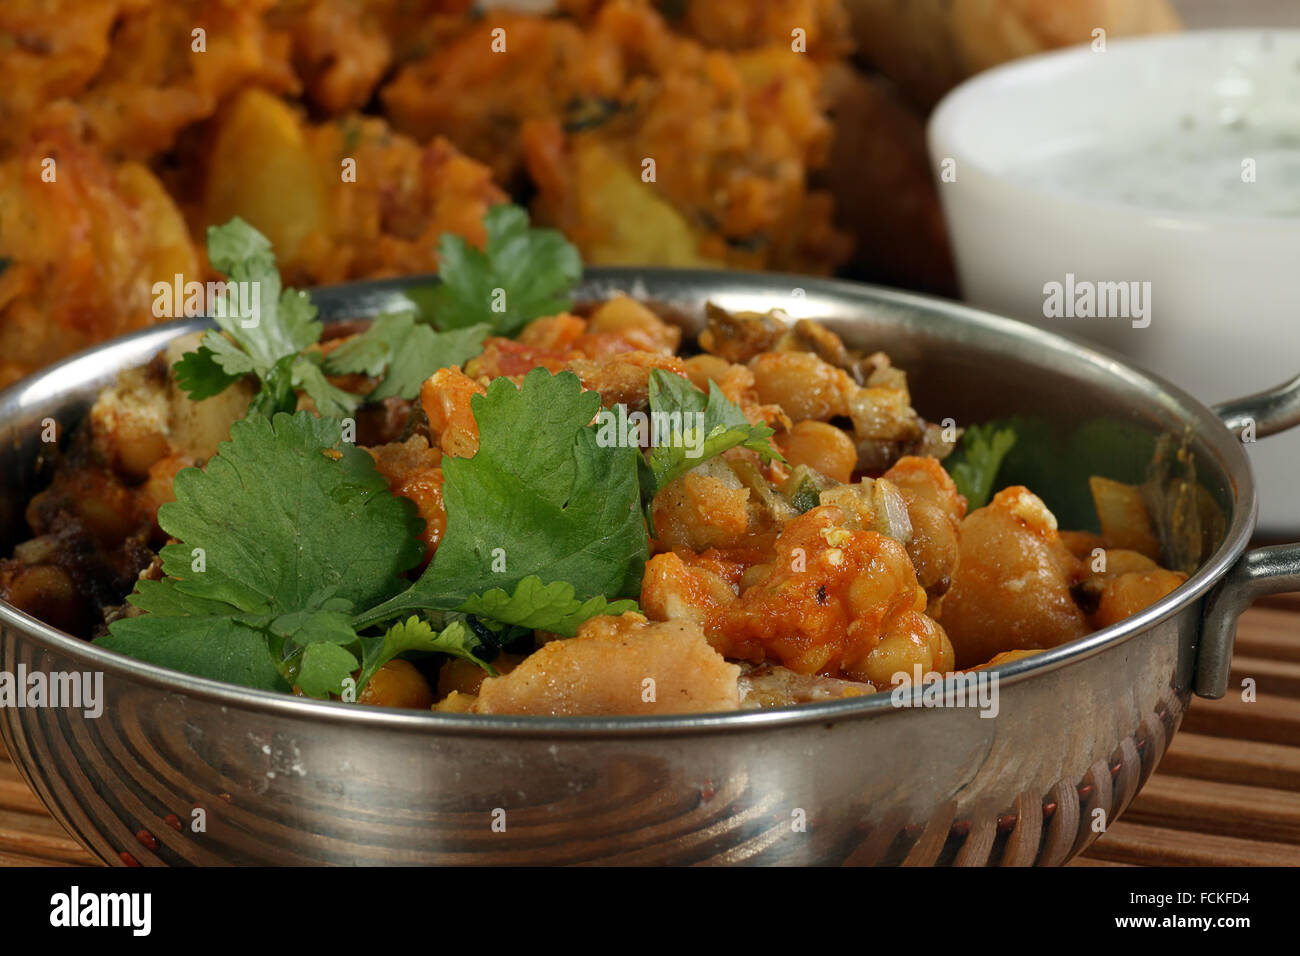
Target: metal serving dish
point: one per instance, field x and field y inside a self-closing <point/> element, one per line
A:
<point x="292" y="781"/>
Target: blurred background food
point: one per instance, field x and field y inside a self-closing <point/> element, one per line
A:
<point x="766" y="134"/>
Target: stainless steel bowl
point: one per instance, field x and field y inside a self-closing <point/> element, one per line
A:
<point x="282" y="780"/>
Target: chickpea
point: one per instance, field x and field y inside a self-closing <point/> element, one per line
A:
<point x="701" y="369"/>
<point x="459" y="676"/>
<point x="137" y="451"/>
<point x="47" y="592"/>
<point x="822" y="447"/>
<point x="802" y="384"/>
<point x="934" y="509"/>
<point x="915" y="640"/>
<point x="1126" y="594"/>
<point x="398" y="684"/>
<point x="701" y="510"/>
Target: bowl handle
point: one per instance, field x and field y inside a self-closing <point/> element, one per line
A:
<point x="1257" y="573"/>
<point x="1271" y="411"/>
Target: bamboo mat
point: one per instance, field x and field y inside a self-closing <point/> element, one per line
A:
<point x="1227" y="792"/>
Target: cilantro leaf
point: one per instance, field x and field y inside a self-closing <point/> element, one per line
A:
<point x="522" y="273"/>
<point x="278" y="521"/>
<point x="415" y="634"/>
<point x="699" y="427"/>
<point x="370" y="352"/>
<point x="266" y="328"/>
<point x="537" y="606"/>
<point x="422" y="353"/>
<point x="975" y="465"/>
<point x="201" y="374"/>
<point x="330" y="400"/>
<point x="195" y="636"/>
<point x="218" y="648"/>
<point x="279" y="542"/>
<point x="225" y="354"/>
<point x="162" y="597"/>
<point x="330" y="623"/>
<point x="323" y="669"/>
<point x="540" y="498"/>
<point x="410" y="351"/>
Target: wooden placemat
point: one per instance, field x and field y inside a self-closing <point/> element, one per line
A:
<point x="1227" y="793"/>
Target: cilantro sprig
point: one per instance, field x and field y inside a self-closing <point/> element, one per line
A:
<point x="266" y="328"/>
<point x="521" y="274"/>
<point x="710" y="425"/>
<point x="271" y="333"/>
<point x="288" y="566"/>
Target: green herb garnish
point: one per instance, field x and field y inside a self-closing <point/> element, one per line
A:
<point x="405" y="352"/>
<point x="288" y="557"/>
<point x="975" y="465"/>
<point x="290" y="553"/>
<point x="540" y="499"/>
<point x="268" y="329"/>
<point x="522" y="274"/>
<point x="279" y="545"/>
<point x="549" y="607"/>
<point x="698" y="427"/>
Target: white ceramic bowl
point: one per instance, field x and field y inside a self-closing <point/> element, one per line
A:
<point x="1224" y="309"/>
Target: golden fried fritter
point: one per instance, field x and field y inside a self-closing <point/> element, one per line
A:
<point x="342" y="199"/>
<point x="168" y="65"/>
<point x="51" y="49"/>
<point x="728" y="25"/>
<point x="642" y="145"/>
<point x="634" y="137"/>
<point x="82" y="240"/>
<point x="343" y="48"/>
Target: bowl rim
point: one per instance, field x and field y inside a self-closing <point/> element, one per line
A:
<point x="333" y="300"/>
<point x="1055" y="66"/>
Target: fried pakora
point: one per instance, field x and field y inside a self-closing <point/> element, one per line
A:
<point x="82" y="241"/>
<point x="642" y="145"/>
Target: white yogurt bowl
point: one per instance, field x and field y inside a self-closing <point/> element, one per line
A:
<point x="1167" y="167"/>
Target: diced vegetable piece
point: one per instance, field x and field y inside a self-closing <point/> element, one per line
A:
<point x="804" y="487"/>
<point x="1123" y="516"/>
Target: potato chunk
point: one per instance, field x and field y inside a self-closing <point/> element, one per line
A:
<point x="617" y="665"/>
<point x="262" y="168"/>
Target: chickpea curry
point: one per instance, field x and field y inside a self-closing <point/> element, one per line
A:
<point x="503" y="502"/>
